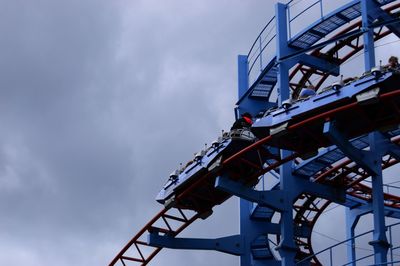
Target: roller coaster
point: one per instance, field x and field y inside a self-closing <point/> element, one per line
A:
<point x="331" y="147"/>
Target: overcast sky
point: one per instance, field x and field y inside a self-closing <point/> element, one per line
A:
<point x="99" y="101"/>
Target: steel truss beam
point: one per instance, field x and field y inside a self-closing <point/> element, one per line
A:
<point x="233" y="245"/>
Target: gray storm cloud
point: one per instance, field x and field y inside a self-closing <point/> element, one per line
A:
<point x="99" y="101"/>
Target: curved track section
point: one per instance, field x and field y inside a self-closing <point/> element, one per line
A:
<point x="168" y="221"/>
<point x="339" y="54"/>
<point x="308" y="208"/>
<point x="330" y="167"/>
<point x="347" y="174"/>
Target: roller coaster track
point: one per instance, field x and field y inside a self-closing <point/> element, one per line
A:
<point x="341" y="172"/>
<point x="308" y="208"/>
<point x="166" y="221"/>
<point x="338" y="54"/>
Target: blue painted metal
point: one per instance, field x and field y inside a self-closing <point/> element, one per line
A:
<point x="384" y="17"/>
<point x="319" y="64"/>
<point x="194" y="168"/>
<point x="351" y="240"/>
<point x="247" y="230"/>
<point x="353" y="216"/>
<point x="282" y="51"/>
<point x="326" y="25"/>
<point x="320" y="190"/>
<point x="233" y="245"/>
<point x="367" y="8"/>
<point x="253" y="227"/>
<point x="305" y="40"/>
<point x="243" y="78"/>
<point x="371" y="162"/>
<point x="287" y="248"/>
<point x="326" y="157"/>
<point x="351" y="222"/>
<point x="327" y="97"/>
<point x="299" y="52"/>
<point x="361" y="157"/>
<point x="255" y="99"/>
<point x="379" y="241"/>
<point x="352" y="148"/>
<point x="271" y="198"/>
<point x="258" y="207"/>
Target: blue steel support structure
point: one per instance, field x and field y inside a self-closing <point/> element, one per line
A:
<point x="243" y="79"/>
<point x="367" y="10"/>
<point x="251" y="245"/>
<point x="246" y="225"/>
<point x="379" y="241"/>
<point x="287" y="248"/>
<point x="371" y="162"/>
<point x="351" y="222"/>
<point x="249" y="227"/>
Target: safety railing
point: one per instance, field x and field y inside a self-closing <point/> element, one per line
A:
<point x="305" y="12"/>
<point x="263" y="49"/>
<point x="390" y="188"/>
<point x="328" y="256"/>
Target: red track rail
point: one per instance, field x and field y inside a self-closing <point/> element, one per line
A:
<point x="167" y="221"/>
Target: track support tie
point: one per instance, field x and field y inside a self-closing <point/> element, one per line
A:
<point x="273" y="199"/>
<point x="233" y="245"/>
<point x="335" y="194"/>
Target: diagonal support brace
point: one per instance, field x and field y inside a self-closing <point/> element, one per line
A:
<point x="321" y="64"/>
<point x="273" y="199"/>
<point x="388" y="146"/>
<point x="233" y="245"/>
<point x="362" y="158"/>
<point x="334" y="194"/>
<point x="383" y="16"/>
<point x="394" y="150"/>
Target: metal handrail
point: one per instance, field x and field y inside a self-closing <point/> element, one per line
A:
<point x="253" y="57"/>
<point x="260" y="54"/>
<point x="343" y="242"/>
<point x="259" y="35"/>
<point x="305" y="10"/>
<point x="386" y="263"/>
<point x="250" y="55"/>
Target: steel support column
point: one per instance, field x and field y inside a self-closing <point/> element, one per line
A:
<point x="245" y="229"/>
<point x="282" y="50"/>
<point x="379" y="241"/>
<point x="243" y="80"/>
<point x="351" y="222"/>
<point x="250" y="230"/>
<point x="367" y="8"/>
<point x="287" y="247"/>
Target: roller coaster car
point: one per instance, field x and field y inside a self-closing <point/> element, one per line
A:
<point x="203" y="170"/>
<point x="369" y="112"/>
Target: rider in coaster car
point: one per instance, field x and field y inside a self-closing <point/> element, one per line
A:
<point x="307" y="92"/>
<point x="244" y="122"/>
<point x="393" y="63"/>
